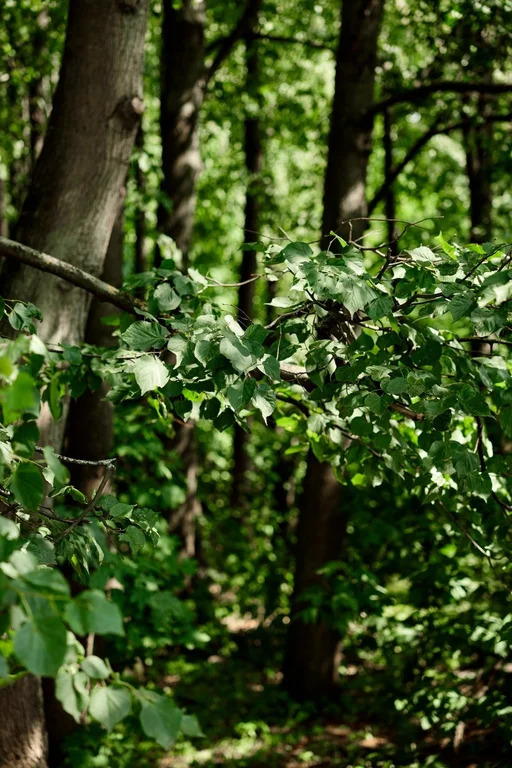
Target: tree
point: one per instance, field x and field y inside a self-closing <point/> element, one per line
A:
<point x="73" y="200"/>
<point x="310" y="663"/>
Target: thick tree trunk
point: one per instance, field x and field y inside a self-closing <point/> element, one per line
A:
<point x="181" y="97"/>
<point x="310" y="670"/>
<point x="310" y="667"/>
<point x="69" y="212"/>
<point x="254" y="166"/>
<point x="140" y="264"/>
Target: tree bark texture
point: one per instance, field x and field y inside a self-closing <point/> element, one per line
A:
<point x="182" y="82"/>
<point x="479" y="168"/>
<point x="310" y="669"/>
<point x="310" y="657"/>
<point x="350" y="138"/>
<point x="73" y="200"/>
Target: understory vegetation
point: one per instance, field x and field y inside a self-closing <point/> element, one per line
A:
<point x="255" y="384"/>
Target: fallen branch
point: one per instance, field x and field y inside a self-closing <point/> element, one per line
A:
<point x="10" y="249"/>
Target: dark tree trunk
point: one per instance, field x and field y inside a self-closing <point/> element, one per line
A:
<point x="37" y="91"/>
<point x="181" y="97"/>
<point x="479" y="168"/>
<point x="310" y="667"/>
<point x="389" y="199"/>
<point x="254" y="165"/>
<point x="69" y="212"/>
<point x="310" y="670"/>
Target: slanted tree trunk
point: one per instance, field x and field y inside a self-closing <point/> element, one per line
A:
<point x="254" y="166"/>
<point x="181" y="97"/>
<point x="310" y="658"/>
<point x="70" y="210"/>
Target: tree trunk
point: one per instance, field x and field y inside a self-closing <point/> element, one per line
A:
<point x="140" y="264"/>
<point x="310" y="666"/>
<point x="254" y="165"/>
<point x="181" y="97"/>
<point x="69" y="212"/>
<point x="479" y="167"/>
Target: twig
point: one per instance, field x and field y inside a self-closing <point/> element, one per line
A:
<point x="81" y="462"/>
<point x="90" y="506"/>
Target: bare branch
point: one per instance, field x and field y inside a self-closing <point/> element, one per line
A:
<point x="226" y="44"/>
<point x="10" y="249"/>
<point x="419" y="92"/>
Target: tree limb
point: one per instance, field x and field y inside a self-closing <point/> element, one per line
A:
<point x="9" y="249"/>
<point x="419" y="92"/>
<point x="240" y="30"/>
<point x="435" y="130"/>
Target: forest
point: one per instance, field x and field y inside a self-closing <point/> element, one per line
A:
<point x="255" y="383"/>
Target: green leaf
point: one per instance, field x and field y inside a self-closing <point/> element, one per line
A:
<point x="466" y="462"/>
<point x="67" y="695"/>
<point x="4" y="668"/>
<point x="22" y="317"/>
<point x="40" y="644"/>
<point x="109" y="705"/>
<point x="236" y="352"/>
<point x="27" y="485"/>
<point x="25" y="438"/>
<point x="395" y="386"/>
<point x="72" y="355"/>
<point x="264" y="399"/>
<point x="239" y="394"/>
<point x="190" y="727"/>
<point x="134" y="537"/>
<point x="92" y="612"/>
<point x="95" y="667"/>
<point x="143" y="335"/>
<point x="55" y="470"/>
<point x="271" y="368"/>
<point x="380" y="307"/>
<point x="150" y="373"/>
<point x="166" y="298"/>
<point x="461" y="305"/>
<point x="355" y="294"/>
<point x="48" y="581"/>
<point x="21" y="397"/>
<point x="505" y="420"/>
<point x="450" y="250"/>
<point x="161" y="719"/>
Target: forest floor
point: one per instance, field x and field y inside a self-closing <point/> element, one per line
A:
<point x="250" y="722"/>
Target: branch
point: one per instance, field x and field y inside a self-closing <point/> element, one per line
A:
<point x="10" y="249"/>
<point x="294" y="40"/>
<point x="434" y="130"/>
<point x="225" y="45"/>
<point x="419" y="92"/>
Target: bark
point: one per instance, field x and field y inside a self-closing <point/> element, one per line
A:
<point x="37" y="90"/>
<point x="389" y="199"/>
<point x="91" y="417"/>
<point x="479" y="168"/>
<point x="254" y="166"/>
<point x="310" y="665"/>
<point x="70" y="210"/>
<point x="140" y="264"/>
<point x="350" y="138"/>
<point x="310" y="658"/>
<point x="181" y="97"/>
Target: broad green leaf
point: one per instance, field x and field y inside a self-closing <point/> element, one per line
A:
<point x="395" y="386"/>
<point x="161" y="719"/>
<point x="109" y="705"/>
<point x="380" y="307"/>
<point x="40" y="644"/>
<point x="264" y="399"/>
<point x="95" y="667"/>
<point x="27" y="485"/>
<point x="134" y="537"/>
<point x="505" y="420"/>
<point x="48" y="581"/>
<point x="461" y="305"/>
<point x="67" y="694"/>
<point x="4" y="668"/>
<point x="150" y="373"/>
<point x="21" y="397"/>
<point x="190" y="727"/>
<point x="239" y="394"/>
<point x="25" y="438"/>
<point x="92" y="612"/>
<point x="56" y="471"/>
<point x="166" y="298"/>
<point x="236" y="352"/>
<point x="143" y="336"/>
